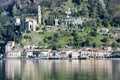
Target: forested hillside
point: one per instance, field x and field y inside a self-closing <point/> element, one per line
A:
<point x="106" y="13"/>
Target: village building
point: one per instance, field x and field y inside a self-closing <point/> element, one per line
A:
<point x="68" y="20"/>
<point x="9" y="46"/>
<point x="75" y="54"/>
<point x="11" y="51"/>
<point x="54" y="55"/>
<point x="14" y="54"/>
<point x="45" y="53"/>
<point x="72" y="20"/>
<point x="69" y="53"/>
<point x="84" y="53"/>
<point x="29" y="54"/>
<point x="100" y="52"/>
<point x="56" y="22"/>
<point x="30" y="24"/>
<point x="66" y="53"/>
<point x="116" y="32"/>
<point x="103" y="31"/>
<point x="17" y="21"/>
<point x="102" y="3"/>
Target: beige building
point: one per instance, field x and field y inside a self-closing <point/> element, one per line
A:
<point x="100" y="52"/>
<point x="29" y="54"/>
<point x="11" y="51"/>
<point x="31" y="24"/>
<point x="14" y="54"/>
<point x="103" y="31"/>
<point x="84" y="53"/>
<point x="9" y="46"/>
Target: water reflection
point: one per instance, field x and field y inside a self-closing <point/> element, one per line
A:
<point x="15" y="69"/>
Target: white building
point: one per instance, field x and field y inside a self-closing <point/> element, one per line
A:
<point x="102" y="3"/>
<point x="17" y="21"/>
<point x="75" y="54"/>
<point x="31" y="24"/>
<point x="84" y="53"/>
<point x="103" y="31"/>
<point x="11" y="51"/>
<point x="45" y="53"/>
<point x="56" y="22"/>
<point x="29" y="54"/>
<point x="14" y="54"/>
<point x="73" y="20"/>
<point x="9" y="46"/>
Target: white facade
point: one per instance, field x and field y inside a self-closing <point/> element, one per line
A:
<point x="85" y="53"/>
<point x="102" y="3"/>
<point x="17" y="21"/>
<point x="29" y="53"/>
<point x="11" y="52"/>
<point x="78" y="21"/>
<point x="14" y="54"/>
<point x="56" y="22"/>
<point x="103" y="31"/>
<point x="68" y="12"/>
<point x="31" y="24"/>
<point x="73" y="20"/>
<point x="9" y="46"/>
<point x="75" y="54"/>
<point x="45" y="53"/>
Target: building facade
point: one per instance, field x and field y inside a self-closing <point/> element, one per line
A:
<point x="11" y="51"/>
<point x="30" y="24"/>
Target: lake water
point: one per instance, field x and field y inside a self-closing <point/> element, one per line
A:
<point x="15" y="69"/>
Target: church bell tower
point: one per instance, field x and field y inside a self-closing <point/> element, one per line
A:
<point x="39" y="15"/>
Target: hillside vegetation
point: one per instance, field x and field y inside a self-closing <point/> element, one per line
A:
<point x="107" y="16"/>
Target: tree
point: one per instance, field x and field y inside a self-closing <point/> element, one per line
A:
<point x="114" y="46"/>
<point x="104" y="39"/>
<point x="93" y="32"/>
<point x="118" y="40"/>
<point x="116" y="20"/>
<point x="94" y="44"/>
<point x="105" y="23"/>
<point x="78" y="2"/>
<point x="87" y="42"/>
<point x="50" y="38"/>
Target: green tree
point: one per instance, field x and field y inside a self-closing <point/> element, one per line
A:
<point x="105" y="23"/>
<point x="105" y="39"/>
<point x="94" y="44"/>
<point x="118" y="40"/>
<point x="116" y="20"/>
<point x="93" y="32"/>
<point x="114" y="46"/>
<point x="78" y="2"/>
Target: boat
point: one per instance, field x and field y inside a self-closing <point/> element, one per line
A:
<point x="54" y="58"/>
<point x="82" y="57"/>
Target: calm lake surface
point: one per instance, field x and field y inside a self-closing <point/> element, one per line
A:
<point x="15" y="69"/>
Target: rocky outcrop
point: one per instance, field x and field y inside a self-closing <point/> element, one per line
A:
<point x="19" y="6"/>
